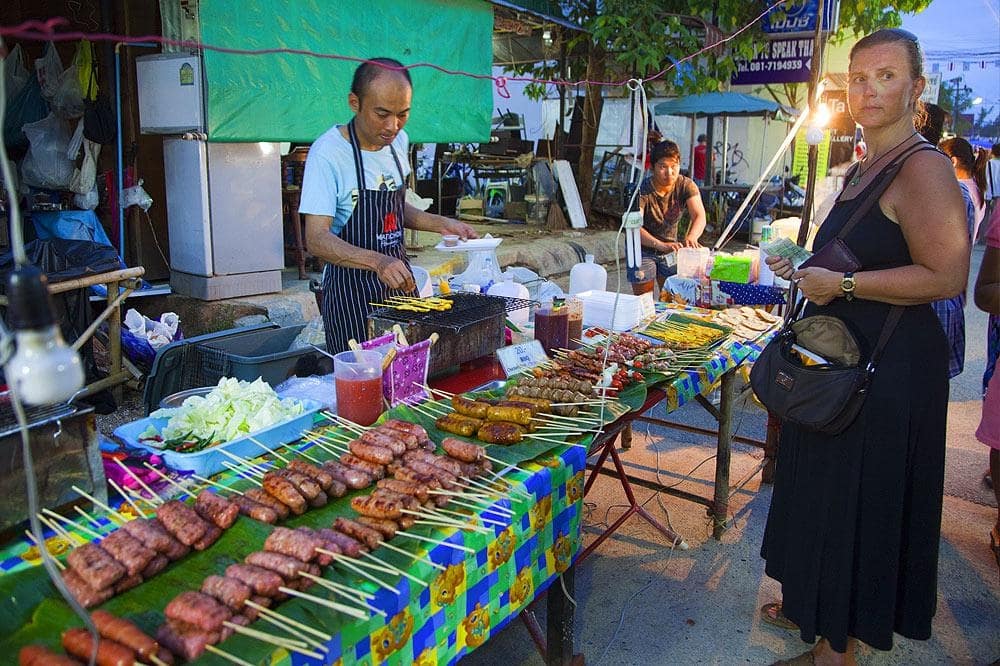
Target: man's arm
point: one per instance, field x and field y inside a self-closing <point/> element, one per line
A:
<point x="328" y="247"/>
<point x="414" y="218"/>
<point x="696" y="211"/>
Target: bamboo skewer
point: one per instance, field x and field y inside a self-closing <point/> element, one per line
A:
<point x="340" y="608"/>
<point x="444" y="521"/>
<point x="287" y="643"/>
<point x="496" y="508"/>
<point x="473" y="517"/>
<point x="344" y="423"/>
<point x="353" y="592"/>
<point x="225" y="655"/>
<point x="345" y="592"/>
<point x="33" y="540"/>
<point x="89" y="518"/>
<point x="156" y="660"/>
<point x="273" y="452"/>
<point x="97" y="502"/>
<point x="314" y="460"/>
<point x="505" y="464"/>
<point x="242" y="473"/>
<point x="86" y="530"/>
<point x="313" y="439"/>
<point x="387" y="568"/>
<point x="284" y="626"/>
<point x="437" y="542"/>
<point x="340" y="558"/>
<point x="256" y="470"/>
<point x="128" y="498"/>
<point x="60" y="531"/>
<point x="264" y="610"/>
<point x="215" y="484"/>
<point x="402" y="551"/>
<point x="166" y="478"/>
<point x="142" y="484"/>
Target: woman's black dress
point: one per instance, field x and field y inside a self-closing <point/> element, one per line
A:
<point x="852" y="534"/>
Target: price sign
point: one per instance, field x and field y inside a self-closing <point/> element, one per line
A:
<point x="521" y="357"/>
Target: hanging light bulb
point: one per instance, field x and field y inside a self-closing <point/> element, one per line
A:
<point x="43" y="370"/>
<point x="547" y="37"/>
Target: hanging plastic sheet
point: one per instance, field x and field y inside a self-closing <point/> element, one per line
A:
<point x="285" y="97"/>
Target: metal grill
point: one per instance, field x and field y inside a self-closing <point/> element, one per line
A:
<point x="36" y="416"/>
<point x="467" y="310"/>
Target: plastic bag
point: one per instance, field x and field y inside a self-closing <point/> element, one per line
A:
<point x="46" y="165"/>
<point x="85" y="178"/>
<point x="14" y="72"/>
<point x="142" y="336"/>
<point x="68" y="100"/>
<point x="76" y="141"/>
<point x="49" y="70"/>
<point x="87" y="201"/>
<point x="136" y="196"/>
<point x="27" y="107"/>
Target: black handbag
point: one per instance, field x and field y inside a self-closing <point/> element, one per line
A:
<point x="812" y="373"/>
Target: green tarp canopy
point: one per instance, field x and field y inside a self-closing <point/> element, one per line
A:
<point x="292" y="97"/>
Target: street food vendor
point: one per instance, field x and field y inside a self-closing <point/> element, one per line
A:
<point x="664" y="197"/>
<point x="353" y="200"/>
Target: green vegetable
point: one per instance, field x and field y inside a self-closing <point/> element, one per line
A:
<point x="232" y="409"/>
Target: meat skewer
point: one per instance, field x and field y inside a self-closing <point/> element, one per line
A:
<point x="464" y="451"/>
<point x="128" y="550"/>
<point x="216" y="509"/>
<point x="80" y="643"/>
<point x="36" y="655"/>
<point x="182" y="521"/>
<point x="264" y="582"/>
<point x="122" y="631"/>
<point x="95" y="565"/>
<point x="350" y="477"/>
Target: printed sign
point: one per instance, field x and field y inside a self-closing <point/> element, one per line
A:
<point x="781" y="61"/>
<point x="521" y="357"/>
<point x="841" y="128"/>
<point x="799" y="16"/>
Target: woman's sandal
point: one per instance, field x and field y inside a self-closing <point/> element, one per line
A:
<point x="805" y="659"/>
<point x="771" y="614"/>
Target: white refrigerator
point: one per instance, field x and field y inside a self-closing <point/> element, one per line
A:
<point x="223" y="199"/>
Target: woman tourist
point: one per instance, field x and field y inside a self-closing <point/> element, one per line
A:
<point x="854" y="524"/>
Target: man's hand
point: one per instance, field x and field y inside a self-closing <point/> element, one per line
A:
<point x="394" y="274"/>
<point x="666" y="248"/>
<point x="457" y="228"/>
<point x="691" y="242"/>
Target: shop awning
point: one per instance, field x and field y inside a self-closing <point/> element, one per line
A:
<point x="721" y="104"/>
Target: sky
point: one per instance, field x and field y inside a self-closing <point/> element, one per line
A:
<point x="969" y="26"/>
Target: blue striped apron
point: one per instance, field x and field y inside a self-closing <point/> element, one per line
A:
<point x="376" y="224"/>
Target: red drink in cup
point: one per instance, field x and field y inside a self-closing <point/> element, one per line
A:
<point x="358" y="376"/>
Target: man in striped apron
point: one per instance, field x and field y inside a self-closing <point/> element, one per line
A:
<point x="354" y="203"/>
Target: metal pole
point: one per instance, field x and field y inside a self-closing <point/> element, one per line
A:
<point x="814" y="77"/>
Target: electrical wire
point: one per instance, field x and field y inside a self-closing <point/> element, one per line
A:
<point x="46" y="31"/>
<point x="6" y="346"/>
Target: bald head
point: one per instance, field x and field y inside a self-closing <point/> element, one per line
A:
<point x="376" y="68"/>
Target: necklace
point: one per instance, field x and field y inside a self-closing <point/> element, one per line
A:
<point x="856" y="178"/>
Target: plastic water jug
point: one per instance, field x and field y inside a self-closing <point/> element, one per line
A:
<point x="691" y="261"/>
<point x="587" y="276"/>
<point x="507" y="287"/>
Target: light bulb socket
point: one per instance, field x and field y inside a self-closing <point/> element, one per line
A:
<point x="30" y="304"/>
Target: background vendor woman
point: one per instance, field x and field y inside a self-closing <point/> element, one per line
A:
<point x="353" y="200"/>
<point x="664" y="197"/>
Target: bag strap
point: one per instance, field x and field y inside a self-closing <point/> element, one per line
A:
<point x="887" y="175"/>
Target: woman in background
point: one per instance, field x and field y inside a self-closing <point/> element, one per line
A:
<point x="971" y="173"/>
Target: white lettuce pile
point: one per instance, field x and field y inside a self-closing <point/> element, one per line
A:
<point x="232" y="409"/>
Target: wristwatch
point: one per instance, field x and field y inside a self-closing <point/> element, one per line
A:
<point x="847" y="285"/>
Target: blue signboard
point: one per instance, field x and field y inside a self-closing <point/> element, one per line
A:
<point x="799" y="16"/>
<point x="782" y="61"/>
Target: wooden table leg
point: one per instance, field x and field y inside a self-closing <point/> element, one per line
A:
<point x="114" y="338"/>
<point x="559" y="621"/>
<point x="720" y="504"/>
<point x="626" y="435"/>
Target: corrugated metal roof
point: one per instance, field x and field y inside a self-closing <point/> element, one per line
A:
<point x="543" y="9"/>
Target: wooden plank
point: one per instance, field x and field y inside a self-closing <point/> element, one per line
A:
<point x="571" y="195"/>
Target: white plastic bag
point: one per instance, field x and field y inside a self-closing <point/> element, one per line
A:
<point x="85" y="178"/>
<point x="14" y="72"/>
<point x="49" y="70"/>
<point x="46" y="165"/>
<point x="136" y="196"/>
<point x="87" y="201"/>
<point x="157" y="333"/>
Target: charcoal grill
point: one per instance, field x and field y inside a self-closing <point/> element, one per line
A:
<point x="473" y="327"/>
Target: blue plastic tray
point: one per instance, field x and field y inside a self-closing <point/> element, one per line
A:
<point x="209" y="461"/>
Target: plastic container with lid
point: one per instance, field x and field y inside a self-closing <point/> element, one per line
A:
<point x="691" y="261"/>
<point x="507" y="287"/>
<point x="587" y="276"/>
